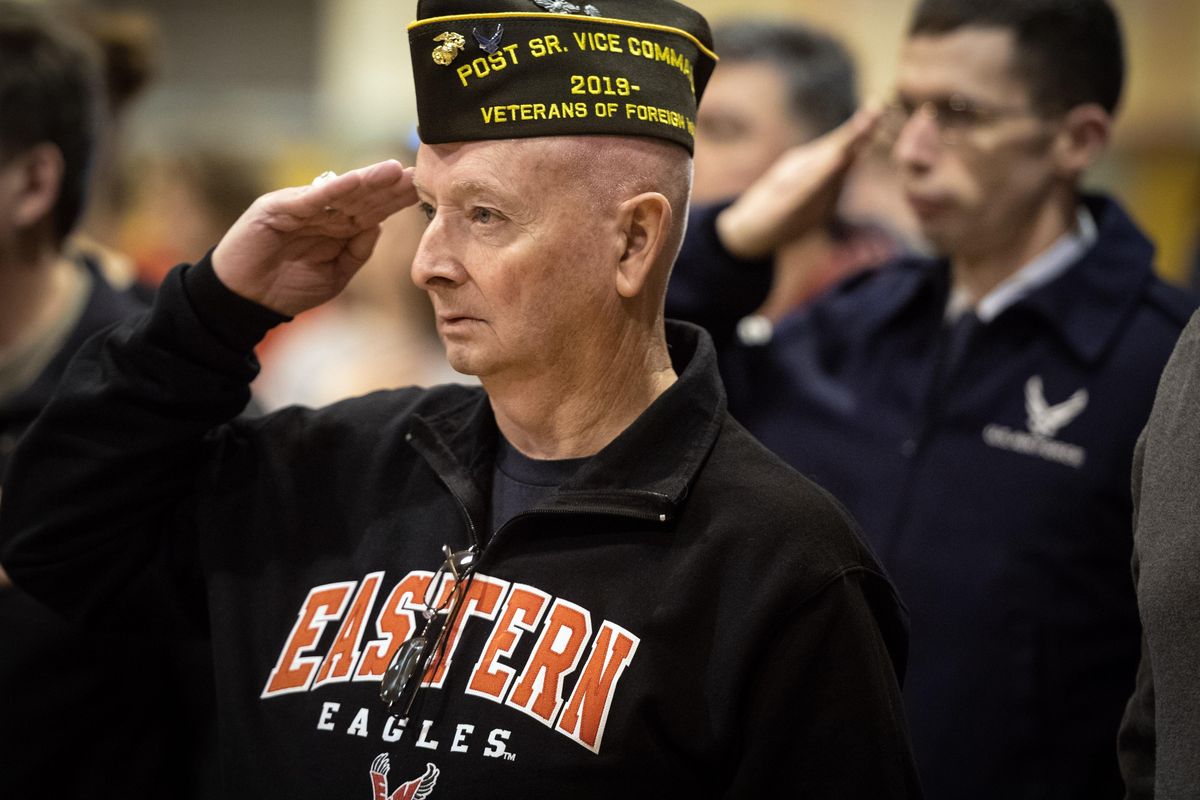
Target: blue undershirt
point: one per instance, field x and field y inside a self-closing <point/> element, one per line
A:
<point x="520" y="482"/>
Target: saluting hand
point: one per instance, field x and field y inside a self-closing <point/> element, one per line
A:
<point x="797" y="193"/>
<point x="296" y="248"/>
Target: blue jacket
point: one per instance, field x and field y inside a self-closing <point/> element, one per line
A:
<point x="997" y="494"/>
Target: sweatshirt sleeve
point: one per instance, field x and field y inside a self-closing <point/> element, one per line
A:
<point x="710" y="287"/>
<point x="94" y="516"/>
<point x="825" y="718"/>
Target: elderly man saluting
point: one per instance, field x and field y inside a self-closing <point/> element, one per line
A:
<point x="581" y="579"/>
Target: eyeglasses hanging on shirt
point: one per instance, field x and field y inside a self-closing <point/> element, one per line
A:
<point x="419" y="658"/>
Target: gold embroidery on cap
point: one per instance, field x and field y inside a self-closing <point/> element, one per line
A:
<point x="452" y="45"/>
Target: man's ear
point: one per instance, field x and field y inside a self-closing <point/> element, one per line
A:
<point x="645" y="223"/>
<point x="1084" y="134"/>
<point x="34" y="179"/>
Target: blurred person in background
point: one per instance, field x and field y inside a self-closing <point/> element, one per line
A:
<point x="127" y="41"/>
<point x="977" y="412"/>
<point x="180" y="201"/>
<point x="1160" y="734"/>
<point x="378" y="333"/>
<point x="780" y="84"/>
<point x="82" y="714"/>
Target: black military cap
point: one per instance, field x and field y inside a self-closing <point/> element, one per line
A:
<point x="502" y="69"/>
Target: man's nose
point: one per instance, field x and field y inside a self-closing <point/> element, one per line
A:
<point x="918" y="142"/>
<point x="436" y="264"/>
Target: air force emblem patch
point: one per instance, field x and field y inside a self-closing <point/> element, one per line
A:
<point x="489" y="42"/>
<point x="1043" y="421"/>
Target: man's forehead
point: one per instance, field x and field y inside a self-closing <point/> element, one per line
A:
<point x="483" y="150"/>
<point x="974" y="60"/>
<point x="548" y="152"/>
<point x="498" y="165"/>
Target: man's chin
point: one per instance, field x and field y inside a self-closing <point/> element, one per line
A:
<point x="941" y="240"/>
<point x="465" y="362"/>
<point x="464" y="367"/>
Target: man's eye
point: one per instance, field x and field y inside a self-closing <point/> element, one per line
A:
<point x="956" y="116"/>
<point x="483" y="215"/>
<point x="427" y="210"/>
<point x="722" y="129"/>
<point x="958" y="112"/>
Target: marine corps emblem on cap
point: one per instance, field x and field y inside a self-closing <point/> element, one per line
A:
<point x="451" y="45"/>
<point x="559" y="68"/>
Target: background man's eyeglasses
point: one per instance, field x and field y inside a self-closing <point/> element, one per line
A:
<point x="421" y="655"/>
<point x="955" y="116"/>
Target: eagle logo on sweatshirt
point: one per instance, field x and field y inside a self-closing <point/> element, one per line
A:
<point x="416" y="789"/>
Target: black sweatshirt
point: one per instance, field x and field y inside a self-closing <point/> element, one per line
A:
<point x="685" y="616"/>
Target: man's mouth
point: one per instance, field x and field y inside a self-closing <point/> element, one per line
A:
<point x="926" y="206"/>
<point x="456" y="320"/>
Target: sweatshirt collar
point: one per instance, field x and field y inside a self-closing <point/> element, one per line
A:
<point x="645" y="471"/>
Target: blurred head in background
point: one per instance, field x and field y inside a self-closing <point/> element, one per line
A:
<point x="50" y="122"/>
<point x="999" y="109"/>
<point x="181" y="203"/>
<point x="127" y="42"/>
<point x="778" y="84"/>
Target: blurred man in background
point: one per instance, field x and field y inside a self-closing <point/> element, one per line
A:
<point x="79" y="717"/>
<point x="977" y="412"/>
<point x="780" y="84"/>
<point x="127" y="41"/>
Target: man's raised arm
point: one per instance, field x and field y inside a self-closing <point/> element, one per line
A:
<point x="88" y="512"/>
<point x="723" y="270"/>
